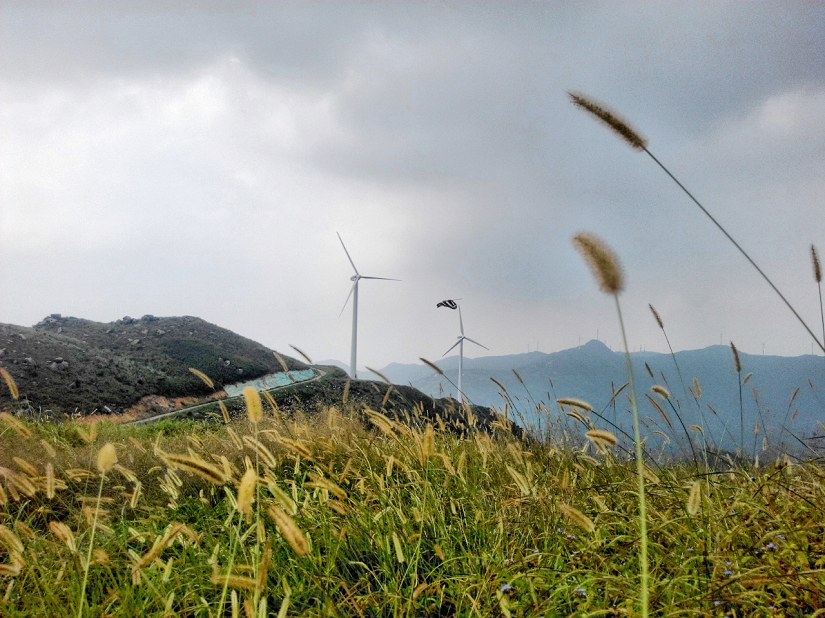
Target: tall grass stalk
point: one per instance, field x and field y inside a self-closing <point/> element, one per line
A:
<point x="818" y="278"/>
<point x="106" y="459"/>
<point x="605" y="266"/>
<point x="632" y="137"/>
<point x="682" y="380"/>
<point x="737" y="364"/>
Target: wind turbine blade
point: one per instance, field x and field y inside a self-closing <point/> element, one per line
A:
<point x="351" y="290"/>
<point x="460" y="321"/>
<point x="451" y="349"/>
<point x="382" y="278"/>
<point x="477" y="343"/>
<point x="347" y="252"/>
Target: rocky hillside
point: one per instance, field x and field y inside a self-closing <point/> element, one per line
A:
<point x="64" y="365"/>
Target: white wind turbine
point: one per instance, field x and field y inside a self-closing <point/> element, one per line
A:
<point x="354" y="293"/>
<point x="451" y="304"/>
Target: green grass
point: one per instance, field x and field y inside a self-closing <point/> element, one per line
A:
<point x="465" y="527"/>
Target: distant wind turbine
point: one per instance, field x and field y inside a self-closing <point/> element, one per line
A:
<point x="451" y="304"/>
<point x="354" y="293"/>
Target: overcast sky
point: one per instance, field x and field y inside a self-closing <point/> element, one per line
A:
<point x="198" y="158"/>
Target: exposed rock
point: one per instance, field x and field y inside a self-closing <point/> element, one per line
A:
<point x="145" y="331"/>
<point x="59" y="359"/>
<point x="227" y="362"/>
<point x="134" y="341"/>
<point x="127" y="320"/>
<point x="149" y="318"/>
<point x="160" y="332"/>
<point x="22" y="336"/>
<point x="28" y="361"/>
<point x="55" y="316"/>
<point x="60" y="329"/>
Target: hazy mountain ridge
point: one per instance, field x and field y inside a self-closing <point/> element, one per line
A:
<point x="588" y="371"/>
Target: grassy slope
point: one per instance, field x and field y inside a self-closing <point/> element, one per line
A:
<point x="422" y="526"/>
<point x="107" y="367"/>
<point x="400" y="404"/>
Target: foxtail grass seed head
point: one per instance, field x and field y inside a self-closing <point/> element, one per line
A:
<point x="346" y="392"/>
<point x="10" y="383"/>
<point x="48" y="448"/>
<point x="281" y="362"/>
<point x="224" y="412"/>
<point x="575" y="516"/>
<point x="197" y="466"/>
<point x="379" y="374"/>
<point x="661" y="391"/>
<point x="617" y="124"/>
<point x="63" y="533"/>
<point x="246" y="491"/>
<point x="203" y="377"/>
<point x="656" y="315"/>
<point x="106" y="458"/>
<point x="695" y="498"/>
<point x="697" y="388"/>
<point x="575" y="403"/>
<point x="428" y="441"/>
<point x="602" y="435"/>
<point x="10" y="541"/>
<point x="817" y="269"/>
<point x="432" y="366"/>
<point x="736" y="362"/>
<point x="602" y="262"/>
<point x="49" y="481"/>
<point x="254" y="407"/>
<point x="15" y="424"/>
<point x="289" y="530"/>
<point x="301" y="352"/>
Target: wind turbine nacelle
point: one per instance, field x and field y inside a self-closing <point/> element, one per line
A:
<point x="354" y="278"/>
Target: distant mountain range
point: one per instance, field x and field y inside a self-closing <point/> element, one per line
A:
<point x="591" y="372"/>
<point x="64" y="364"/>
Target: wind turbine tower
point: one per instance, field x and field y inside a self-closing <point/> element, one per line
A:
<point x="452" y="304"/>
<point x="354" y="293"/>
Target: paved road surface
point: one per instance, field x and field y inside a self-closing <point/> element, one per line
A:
<point x="320" y="374"/>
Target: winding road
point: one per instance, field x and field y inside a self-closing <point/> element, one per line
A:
<point x="320" y="373"/>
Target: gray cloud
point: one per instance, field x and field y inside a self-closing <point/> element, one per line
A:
<point x="199" y="158"/>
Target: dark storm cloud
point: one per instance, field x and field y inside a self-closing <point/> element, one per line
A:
<point x="437" y="137"/>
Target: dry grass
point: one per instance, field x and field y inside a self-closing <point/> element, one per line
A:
<point x="391" y="521"/>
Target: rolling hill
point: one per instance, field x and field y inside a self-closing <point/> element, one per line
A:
<point x="65" y="365"/>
